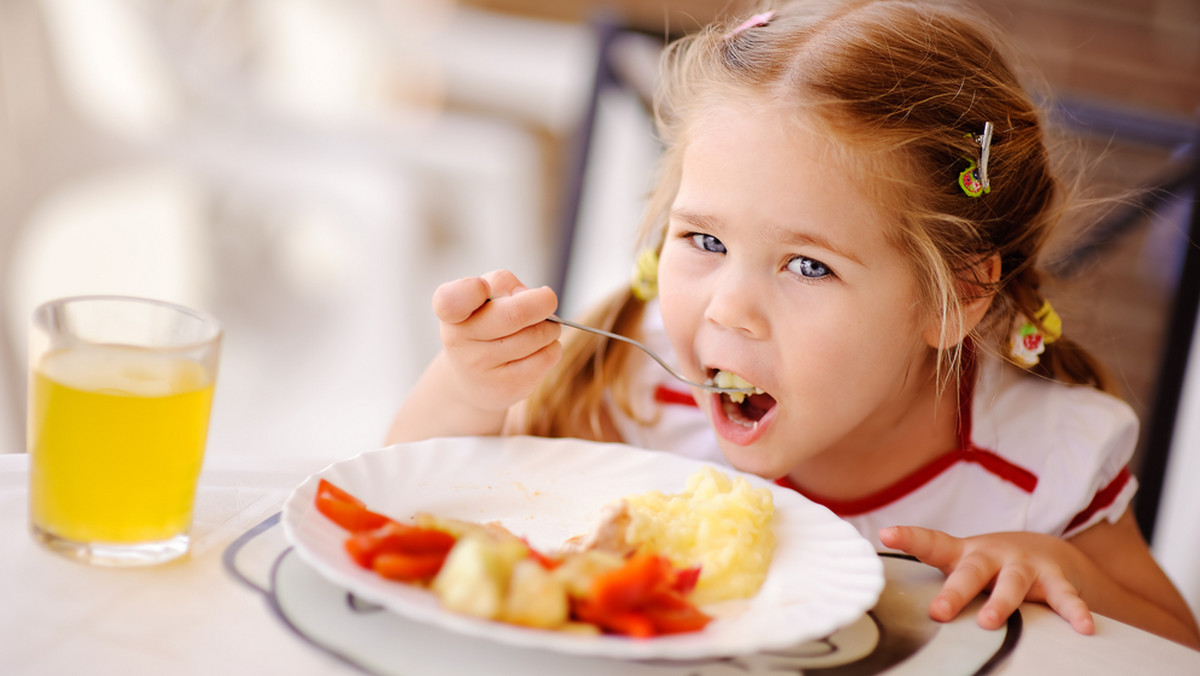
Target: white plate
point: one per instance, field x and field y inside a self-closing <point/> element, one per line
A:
<point x="823" y="575"/>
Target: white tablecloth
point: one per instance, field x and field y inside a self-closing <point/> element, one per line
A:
<point x="192" y="616"/>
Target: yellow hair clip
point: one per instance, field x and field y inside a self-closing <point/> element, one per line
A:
<point x="645" y="275"/>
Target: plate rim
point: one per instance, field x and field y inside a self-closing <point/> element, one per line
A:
<point x="365" y="584"/>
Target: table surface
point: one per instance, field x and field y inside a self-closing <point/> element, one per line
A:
<point x="195" y="615"/>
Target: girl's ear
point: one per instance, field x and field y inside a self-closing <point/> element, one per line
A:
<point x="976" y="299"/>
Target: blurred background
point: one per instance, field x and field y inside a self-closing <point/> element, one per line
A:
<point x="310" y="170"/>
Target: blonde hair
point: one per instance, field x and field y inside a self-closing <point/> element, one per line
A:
<point x="904" y="88"/>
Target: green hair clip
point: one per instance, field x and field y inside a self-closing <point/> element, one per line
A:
<point x="974" y="179"/>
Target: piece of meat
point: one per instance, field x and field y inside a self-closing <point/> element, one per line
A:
<point x="608" y="535"/>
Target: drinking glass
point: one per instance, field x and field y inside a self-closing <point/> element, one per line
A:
<point x="120" y="391"/>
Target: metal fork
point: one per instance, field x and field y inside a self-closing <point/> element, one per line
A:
<point x="704" y="386"/>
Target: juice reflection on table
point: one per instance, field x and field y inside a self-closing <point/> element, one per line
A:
<point x="117" y="440"/>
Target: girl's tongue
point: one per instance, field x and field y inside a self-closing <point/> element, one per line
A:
<point x="749" y="410"/>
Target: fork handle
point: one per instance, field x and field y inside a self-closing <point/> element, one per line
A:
<point x="676" y="374"/>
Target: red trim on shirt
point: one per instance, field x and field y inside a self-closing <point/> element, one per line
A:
<point x="666" y="395"/>
<point x="1014" y="474"/>
<point x="996" y="464"/>
<point x="966" y="452"/>
<point x="1102" y="500"/>
<point x="966" y="394"/>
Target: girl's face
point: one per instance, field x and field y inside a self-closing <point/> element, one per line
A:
<point x="776" y="267"/>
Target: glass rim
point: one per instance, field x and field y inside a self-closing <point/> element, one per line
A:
<point x="204" y="317"/>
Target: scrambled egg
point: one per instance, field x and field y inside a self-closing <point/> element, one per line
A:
<point x="718" y="523"/>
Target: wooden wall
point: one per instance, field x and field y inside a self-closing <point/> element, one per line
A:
<point x="1141" y="54"/>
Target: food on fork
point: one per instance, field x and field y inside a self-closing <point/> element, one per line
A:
<point x="731" y="380"/>
<point x="640" y="572"/>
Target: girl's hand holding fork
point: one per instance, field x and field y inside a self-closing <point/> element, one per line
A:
<point x="497" y="346"/>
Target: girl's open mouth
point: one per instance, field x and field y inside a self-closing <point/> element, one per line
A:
<point x="743" y="409"/>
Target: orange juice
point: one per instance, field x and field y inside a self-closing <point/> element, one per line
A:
<point x="116" y="440"/>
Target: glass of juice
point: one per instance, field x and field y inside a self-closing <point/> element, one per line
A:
<point x="120" y="391"/>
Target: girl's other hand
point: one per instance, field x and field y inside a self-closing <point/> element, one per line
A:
<point x="1016" y="567"/>
<point x="495" y="336"/>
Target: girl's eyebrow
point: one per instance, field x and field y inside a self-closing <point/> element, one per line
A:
<point x="790" y="237"/>
<point x="696" y="219"/>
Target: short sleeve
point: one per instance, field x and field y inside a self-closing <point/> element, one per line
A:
<point x="1090" y="439"/>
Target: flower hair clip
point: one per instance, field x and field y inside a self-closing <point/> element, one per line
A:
<point x="755" y="21"/>
<point x="974" y="179"/>
<point x="1028" y="342"/>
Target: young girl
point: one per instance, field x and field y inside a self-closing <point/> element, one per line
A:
<point x="853" y="200"/>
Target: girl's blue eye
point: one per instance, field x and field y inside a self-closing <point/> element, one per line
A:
<point x="809" y="268"/>
<point x="708" y="243"/>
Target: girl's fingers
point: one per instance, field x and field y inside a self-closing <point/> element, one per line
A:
<point x="498" y="300"/>
<point x="502" y="283"/>
<point x="972" y="565"/>
<point x="504" y="316"/>
<point x="531" y="367"/>
<point x="502" y="351"/>
<point x="969" y="577"/>
<point x="1063" y="598"/>
<point x="455" y="302"/>
<point x="1011" y="588"/>
<point x="932" y="547"/>
<point x="966" y="575"/>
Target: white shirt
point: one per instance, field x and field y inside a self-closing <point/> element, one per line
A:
<point x="1037" y="455"/>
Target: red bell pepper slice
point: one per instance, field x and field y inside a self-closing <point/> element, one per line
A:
<point x="643" y="598"/>
<point x="346" y="510"/>
<point x="630" y="585"/>
<point x="396" y="538"/>
<point x="676" y="620"/>
<point x="625" y="622"/>
<point x="408" y="567"/>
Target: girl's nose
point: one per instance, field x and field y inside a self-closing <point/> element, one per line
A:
<point x="738" y="303"/>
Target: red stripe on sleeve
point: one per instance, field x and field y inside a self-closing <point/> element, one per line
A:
<point x="1102" y="500"/>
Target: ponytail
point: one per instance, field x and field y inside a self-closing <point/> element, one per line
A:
<point x="1064" y="359"/>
